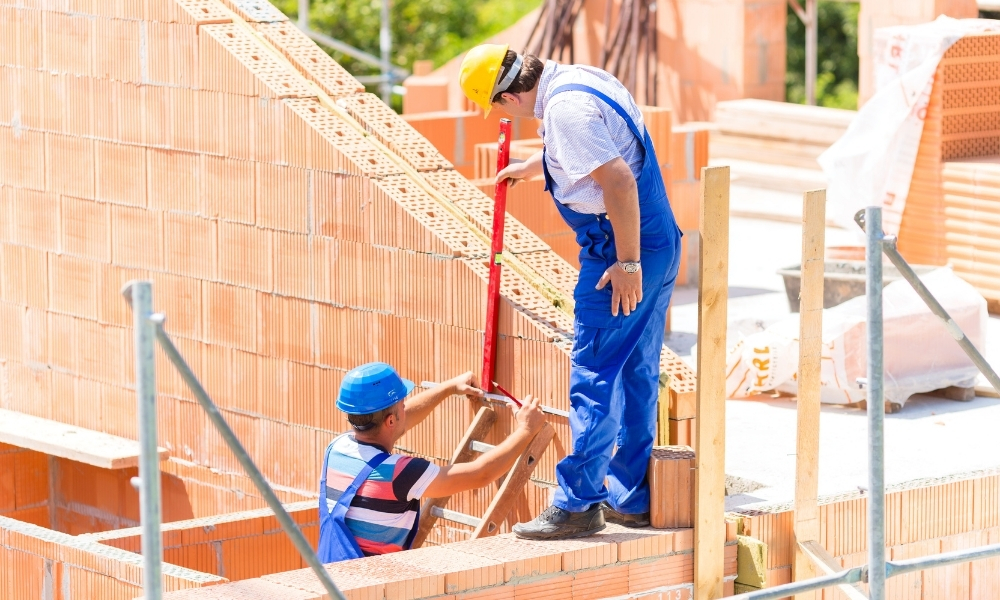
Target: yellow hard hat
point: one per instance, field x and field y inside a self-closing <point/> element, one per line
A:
<point x="480" y="72"/>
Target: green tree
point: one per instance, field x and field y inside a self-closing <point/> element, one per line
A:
<point x="421" y="29"/>
<point x="837" y="68"/>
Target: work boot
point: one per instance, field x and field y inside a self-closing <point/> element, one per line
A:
<point x="635" y="521"/>
<point x="556" y="524"/>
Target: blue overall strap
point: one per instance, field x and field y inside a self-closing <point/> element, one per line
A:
<point x="337" y="542"/>
<point x="579" y="87"/>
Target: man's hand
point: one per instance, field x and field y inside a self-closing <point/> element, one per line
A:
<point x="465" y="384"/>
<point x="626" y="288"/>
<point x="530" y="417"/>
<point x="519" y="170"/>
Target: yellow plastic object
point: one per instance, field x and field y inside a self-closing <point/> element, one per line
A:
<point x="480" y="70"/>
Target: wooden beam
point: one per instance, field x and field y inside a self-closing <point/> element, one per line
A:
<point x="67" y="441"/>
<point x="827" y="565"/>
<point x="808" y="405"/>
<point x="710" y="451"/>
<point x="477" y="431"/>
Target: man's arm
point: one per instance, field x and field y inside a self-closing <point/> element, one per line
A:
<point x="454" y="479"/>
<point x="621" y="199"/>
<point x="518" y="171"/>
<point x="420" y="405"/>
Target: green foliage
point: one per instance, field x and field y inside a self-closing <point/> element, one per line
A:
<point x="837" y="69"/>
<point x="437" y="30"/>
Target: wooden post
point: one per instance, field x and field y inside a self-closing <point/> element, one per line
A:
<point x="710" y="450"/>
<point x="810" y="356"/>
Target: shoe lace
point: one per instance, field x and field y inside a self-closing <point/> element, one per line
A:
<point x="549" y="513"/>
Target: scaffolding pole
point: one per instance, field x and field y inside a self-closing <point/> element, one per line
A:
<point x="139" y="295"/>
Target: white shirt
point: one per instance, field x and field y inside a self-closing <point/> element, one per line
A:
<point x="581" y="133"/>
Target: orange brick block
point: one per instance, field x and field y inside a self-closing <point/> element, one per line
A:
<point x="230" y="316"/>
<point x="136" y="237"/>
<point x="245" y="255"/>
<point x="69" y="165"/>
<point x="671" y="481"/>
<point x="75" y="285"/>
<point x="69" y="43"/>
<point x="85" y="228"/>
<point x="190" y="245"/>
<point x="33" y="215"/>
<point x="228" y="189"/>
<point x="282" y="197"/>
<point x="23" y="158"/>
<point x="174" y="180"/>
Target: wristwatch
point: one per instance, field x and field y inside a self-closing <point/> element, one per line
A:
<point x="629" y="267"/>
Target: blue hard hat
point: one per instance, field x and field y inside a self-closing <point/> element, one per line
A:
<point x="371" y="388"/>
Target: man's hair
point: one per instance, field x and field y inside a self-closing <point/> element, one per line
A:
<point x="372" y="421"/>
<point x="526" y="80"/>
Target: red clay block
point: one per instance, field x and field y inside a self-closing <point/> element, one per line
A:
<point x="85" y="228"/>
<point x="520" y="559"/>
<point x="230" y="316"/>
<point x="68" y="43"/>
<point x="189" y="245"/>
<point x="462" y="571"/>
<point x="291" y="264"/>
<point x="245" y="255"/>
<point x="634" y="544"/>
<point x="174" y="179"/>
<point x="74" y="285"/>
<point x="228" y="189"/>
<point x="180" y="299"/>
<point x="23" y="158"/>
<point x="69" y="165"/>
<point x="33" y="215"/>
<point x="282" y="197"/>
<point x="601" y="583"/>
<point x="252" y="589"/>
<point x="136" y="237"/>
<point x="121" y="173"/>
<point x="543" y="588"/>
<point x="668" y="571"/>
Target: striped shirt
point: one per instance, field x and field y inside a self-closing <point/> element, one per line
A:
<point x="581" y="133"/>
<point x="386" y="504"/>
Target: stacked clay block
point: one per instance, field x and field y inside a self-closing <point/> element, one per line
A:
<point x="293" y="228"/>
<point x="616" y="562"/>
<point x="671" y="486"/>
<point x="951" y="209"/>
<point x="35" y="562"/>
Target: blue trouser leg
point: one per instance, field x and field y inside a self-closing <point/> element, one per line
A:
<point x="601" y="364"/>
<point x="628" y="488"/>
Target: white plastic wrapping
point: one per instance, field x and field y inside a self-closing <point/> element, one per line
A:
<point x="920" y="352"/>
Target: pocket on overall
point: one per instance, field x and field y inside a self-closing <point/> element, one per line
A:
<point x="657" y="231"/>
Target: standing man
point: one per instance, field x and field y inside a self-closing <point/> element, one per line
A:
<point x="600" y="167"/>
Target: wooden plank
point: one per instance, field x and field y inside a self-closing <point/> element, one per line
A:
<point x="710" y="439"/>
<point x="477" y="431"/>
<point x="67" y="441"/>
<point x="828" y="565"/>
<point x="513" y="483"/>
<point x="807" y="525"/>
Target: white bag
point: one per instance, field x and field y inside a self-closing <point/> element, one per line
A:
<point x="920" y="354"/>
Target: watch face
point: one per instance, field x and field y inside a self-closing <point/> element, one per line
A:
<point x="630" y="267"/>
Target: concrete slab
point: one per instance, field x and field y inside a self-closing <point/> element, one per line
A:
<point x="931" y="437"/>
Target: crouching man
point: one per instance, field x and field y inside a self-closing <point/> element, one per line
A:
<point x="369" y="497"/>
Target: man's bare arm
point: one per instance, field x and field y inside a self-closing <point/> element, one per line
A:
<point x="621" y="200"/>
<point x="420" y="405"/>
<point x="454" y="479"/>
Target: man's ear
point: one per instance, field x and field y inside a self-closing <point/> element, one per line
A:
<point x="507" y="97"/>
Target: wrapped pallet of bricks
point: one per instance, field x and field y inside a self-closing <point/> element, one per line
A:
<point x="671" y="487"/>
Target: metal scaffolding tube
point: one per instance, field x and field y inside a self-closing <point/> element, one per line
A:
<point x="876" y="406"/>
<point x="790" y="589"/>
<point x="139" y="295"/>
<point x="291" y="529"/>
<point x="900" y="567"/>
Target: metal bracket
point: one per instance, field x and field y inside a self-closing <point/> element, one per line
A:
<point x="451" y="515"/>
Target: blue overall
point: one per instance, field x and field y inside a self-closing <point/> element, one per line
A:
<point x="336" y="542"/>
<point x="615" y="361"/>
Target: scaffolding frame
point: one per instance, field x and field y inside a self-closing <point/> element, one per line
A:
<point x="149" y="329"/>
<point x="878" y="569"/>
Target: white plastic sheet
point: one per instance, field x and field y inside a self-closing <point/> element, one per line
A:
<point x="872" y="164"/>
<point x="920" y="354"/>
